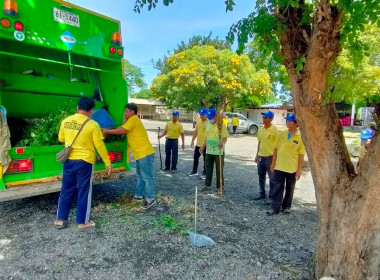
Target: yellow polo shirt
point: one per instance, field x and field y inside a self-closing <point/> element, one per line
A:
<point x="212" y="138"/>
<point x="200" y="128"/>
<point x="173" y="130"/>
<point x="288" y="151"/>
<point x="235" y="121"/>
<point x="267" y="137"/>
<point x="138" y="139"/>
<point x="225" y="121"/>
<point x="89" y="139"/>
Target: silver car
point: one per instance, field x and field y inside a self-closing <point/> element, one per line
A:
<point x="245" y="125"/>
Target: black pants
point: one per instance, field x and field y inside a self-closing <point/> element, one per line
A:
<point x="283" y="180"/>
<point x="171" y="151"/>
<point x="234" y="129"/>
<point x="197" y="155"/>
<point x="263" y="167"/>
<point x="212" y="160"/>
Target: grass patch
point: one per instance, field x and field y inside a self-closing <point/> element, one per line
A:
<point x="168" y="222"/>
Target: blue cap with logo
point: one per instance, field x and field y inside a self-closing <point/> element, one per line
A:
<point x="366" y="134"/>
<point x="175" y="113"/>
<point x="211" y="113"/>
<point x="291" y="118"/>
<point x="202" y="111"/>
<point x="268" y="114"/>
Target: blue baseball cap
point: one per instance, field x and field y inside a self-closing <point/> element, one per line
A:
<point x="268" y="114"/>
<point x="366" y="134"/>
<point x="291" y="118"/>
<point x="211" y="113"/>
<point x="202" y="111"/>
<point x="175" y="113"/>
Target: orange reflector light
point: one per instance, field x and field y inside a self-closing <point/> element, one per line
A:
<point x="115" y="156"/>
<point x="112" y="50"/>
<point x="120" y="52"/>
<point x="19" y="150"/>
<point x="20" y="166"/>
<point x="10" y="7"/>
<point x="116" y="38"/>
<point x="5" y="22"/>
<point x="19" y="26"/>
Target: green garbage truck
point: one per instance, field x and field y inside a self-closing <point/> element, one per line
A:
<point x="52" y="53"/>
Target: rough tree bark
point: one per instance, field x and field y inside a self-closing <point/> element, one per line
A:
<point x="348" y="204"/>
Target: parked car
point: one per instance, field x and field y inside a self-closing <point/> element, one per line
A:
<point x="245" y="125"/>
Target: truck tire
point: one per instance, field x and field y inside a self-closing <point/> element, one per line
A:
<point x="253" y="129"/>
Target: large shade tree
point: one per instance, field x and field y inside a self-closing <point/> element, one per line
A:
<point x="307" y="36"/>
<point x="205" y="76"/>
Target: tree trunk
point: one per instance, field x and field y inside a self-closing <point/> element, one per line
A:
<point x="348" y="204"/>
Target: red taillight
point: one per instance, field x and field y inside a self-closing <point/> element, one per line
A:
<point x="112" y="50"/>
<point x="5" y="22"/>
<point x="19" y="26"/>
<point x="19" y="150"/>
<point x="115" y="156"/>
<point x="20" y="166"/>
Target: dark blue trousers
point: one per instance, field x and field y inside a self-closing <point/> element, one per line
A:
<point x="171" y="151"/>
<point x="77" y="174"/>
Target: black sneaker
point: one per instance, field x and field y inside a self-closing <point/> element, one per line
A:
<point x="174" y="170"/>
<point x="206" y="189"/>
<point x="166" y="169"/>
<point x="192" y="174"/>
<point x="272" y="212"/>
<point x="147" y="205"/>
<point x="137" y="198"/>
<point x="259" y="197"/>
<point x="204" y="173"/>
<point x="286" y="211"/>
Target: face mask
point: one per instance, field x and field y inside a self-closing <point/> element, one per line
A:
<point x="212" y="121"/>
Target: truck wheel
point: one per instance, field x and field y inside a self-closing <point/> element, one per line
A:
<point x="253" y="129"/>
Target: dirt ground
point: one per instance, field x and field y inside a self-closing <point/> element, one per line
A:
<point x="128" y="243"/>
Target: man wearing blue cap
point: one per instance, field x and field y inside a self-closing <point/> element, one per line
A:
<point x="173" y="130"/>
<point x="216" y="137"/>
<point x="199" y="133"/>
<point x="266" y="137"/>
<point x="287" y="162"/>
<point x="365" y="136"/>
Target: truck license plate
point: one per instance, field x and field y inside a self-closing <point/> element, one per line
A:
<point x="66" y="17"/>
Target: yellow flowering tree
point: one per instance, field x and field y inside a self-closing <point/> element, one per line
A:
<point x="205" y="76"/>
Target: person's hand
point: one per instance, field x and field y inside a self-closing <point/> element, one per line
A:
<point x="272" y="168"/>
<point x="257" y="159"/>
<point x="183" y="146"/>
<point x="201" y="149"/>
<point x="298" y="174"/>
<point x="192" y="144"/>
<point x="109" y="170"/>
<point x="105" y="132"/>
<point x="220" y="144"/>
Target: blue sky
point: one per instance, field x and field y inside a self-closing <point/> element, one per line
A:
<point x="151" y="34"/>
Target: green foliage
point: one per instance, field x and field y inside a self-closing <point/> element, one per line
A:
<point x="134" y="75"/>
<point x="44" y="131"/>
<point x="145" y="93"/>
<point x="168" y="222"/>
<point x="205" y="76"/>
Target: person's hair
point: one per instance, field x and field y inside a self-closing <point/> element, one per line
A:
<point x="235" y="115"/>
<point x="86" y="104"/>
<point x="132" y="107"/>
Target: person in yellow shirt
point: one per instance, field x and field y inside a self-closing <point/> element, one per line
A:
<point x="199" y="134"/>
<point x="142" y="151"/>
<point x="265" y="136"/>
<point x="235" y="123"/>
<point x="173" y="130"/>
<point x="287" y="162"/>
<point x="78" y="169"/>
<point x="216" y="138"/>
<point x="225" y="120"/>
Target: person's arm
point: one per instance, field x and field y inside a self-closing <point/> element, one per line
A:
<point x="61" y="135"/>
<point x="222" y="142"/>
<point x="300" y="164"/>
<point x="103" y="153"/>
<point x="273" y="164"/>
<point x="116" y="131"/>
<point x="183" y="140"/>
<point x="203" y="146"/>
<point x="195" y="135"/>
<point x="162" y="134"/>
<point x="257" y="153"/>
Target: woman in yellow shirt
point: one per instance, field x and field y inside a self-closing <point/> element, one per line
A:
<point x="235" y="123"/>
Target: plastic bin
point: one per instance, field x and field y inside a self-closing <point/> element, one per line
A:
<point x="104" y="119"/>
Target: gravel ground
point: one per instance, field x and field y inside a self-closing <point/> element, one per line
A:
<point x="128" y="243"/>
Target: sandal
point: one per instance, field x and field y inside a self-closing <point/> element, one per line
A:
<point x="86" y="225"/>
<point x="60" y="226"/>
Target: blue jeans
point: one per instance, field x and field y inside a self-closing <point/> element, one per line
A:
<point x="263" y="168"/>
<point x="145" y="182"/>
